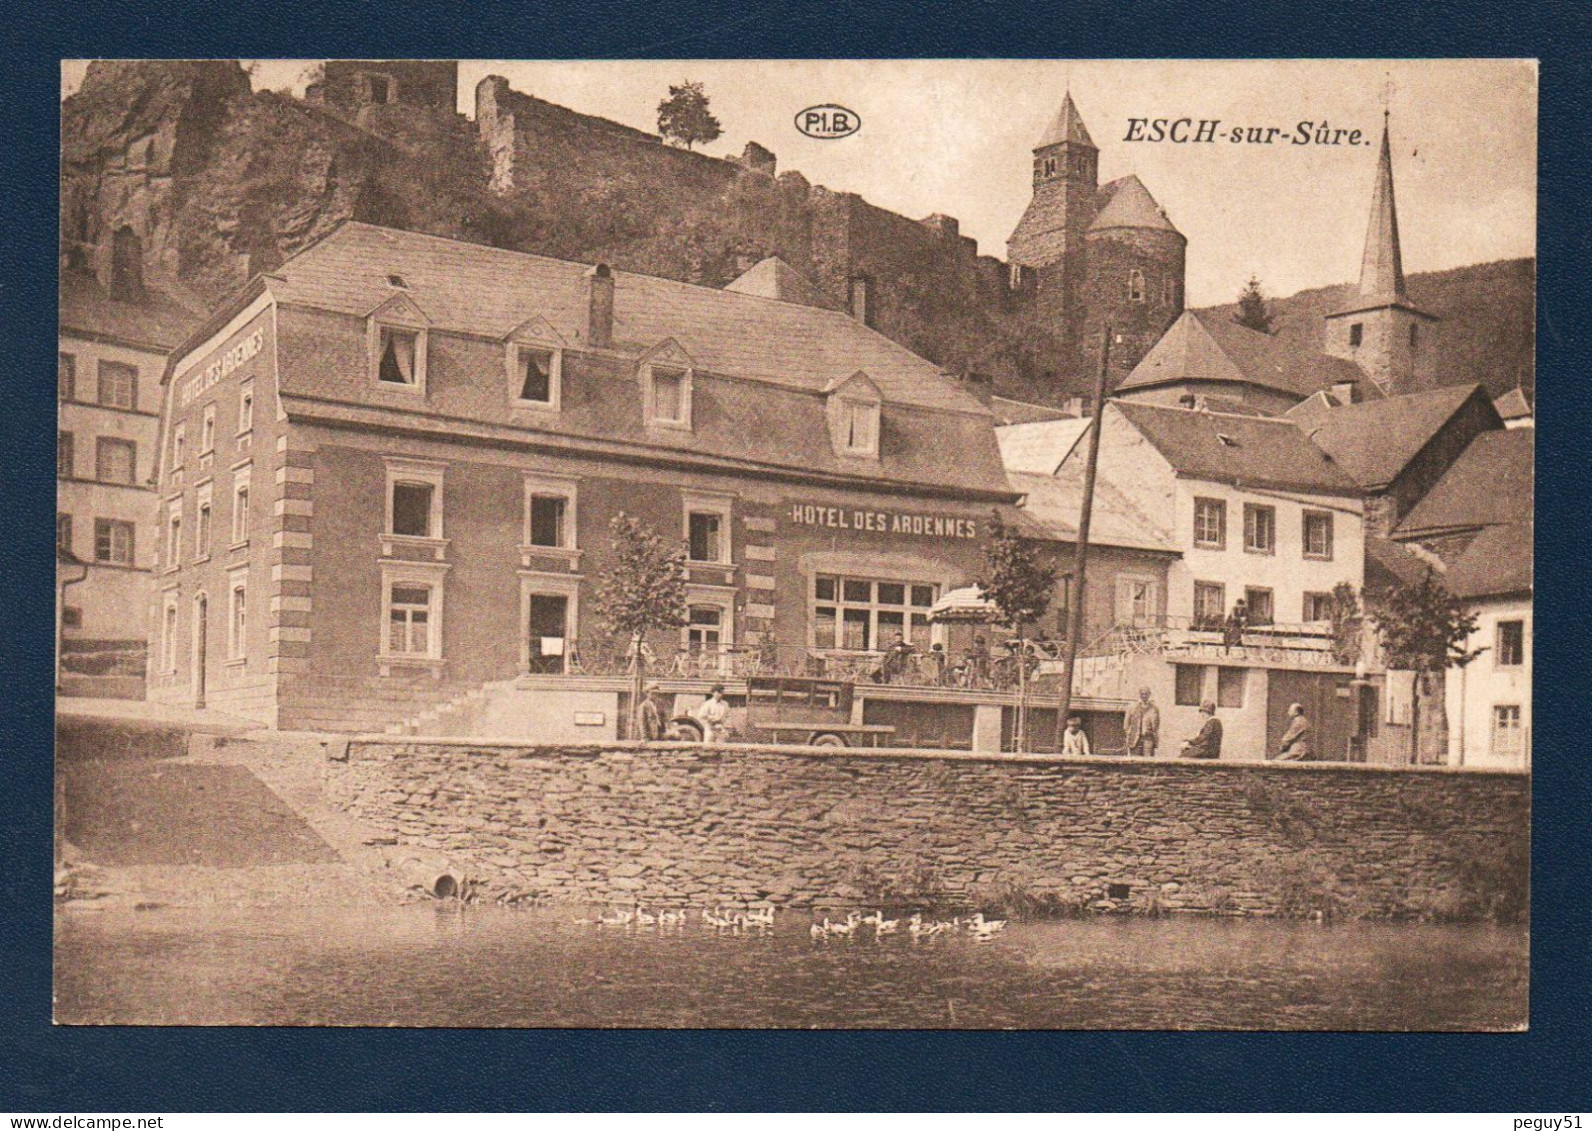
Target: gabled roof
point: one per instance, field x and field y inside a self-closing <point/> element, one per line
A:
<point x="487" y="291"/>
<point x="1130" y="205"/>
<point x="1040" y="447"/>
<point x="1066" y="126"/>
<point x="1497" y="562"/>
<point x="156" y="322"/>
<point x="1241" y="450"/>
<point x="1008" y="411"/>
<point x="1492" y="482"/>
<point x="1055" y="502"/>
<point x="1374" y="441"/>
<point x="1513" y="405"/>
<point x="1210" y="345"/>
<point x="774" y="278"/>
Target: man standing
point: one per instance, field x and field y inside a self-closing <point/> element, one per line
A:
<point x="1142" y="725"/>
<point x="1208" y="742"/>
<point x="1295" y="745"/>
<point x="651" y="715"/>
<point x="714" y="715"/>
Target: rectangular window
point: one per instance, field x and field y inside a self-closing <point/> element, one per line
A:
<point x="113" y="541"/>
<point x="668" y="395"/>
<point x="114" y="460"/>
<point x="201" y="528"/>
<point x="861" y="427"/>
<point x="1136" y="600"/>
<point x="868" y="614"/>
<point x="1318" y="607"/>
<point x="179" y="443"/>
<point x="66" y="376"/>
<point x="238" y="620"/>
<point x="174" y="534"/>
<point x="71" y="616"/>
<point x="65" y="459"/>
<point x="1230" y="686"/>
<point x="168" y="635"/>
<point x="1210" y="604"/>
<point x="1210" y="524"/>
<point x="1190" y="688"/>
<point x="547" y="520"/>
<point x="63" y="532"/>
<point x="409" y="621"/>
<point x="1356" y="334"/>
<point x="1511" y="646"/>
<point x="1507" y="734"/>
<point x="536" y="375"/>
<point x="396" y="351"/>
<point x="1318" y="535"/>
<point x="118" y="385"/>
<point x="704" y="630"/>
<point x="706" y="537"/>
<point x="1258" y="603"/>
<point x="411" y="509"/>
<point x="240" y="508"/>
<point x="1260" y="529"/>
<point x="207" y="430"/>
<point x="246" y="409"/>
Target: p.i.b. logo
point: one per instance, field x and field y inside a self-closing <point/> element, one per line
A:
<point x="828" y="122"/>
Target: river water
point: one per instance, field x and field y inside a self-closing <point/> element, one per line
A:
<point x="452" y="965"/>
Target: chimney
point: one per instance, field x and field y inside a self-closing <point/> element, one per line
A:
<point x="600" y="308"/>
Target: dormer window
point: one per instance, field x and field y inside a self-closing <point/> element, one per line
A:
<point x="669" y="390"/>
<point x="397" y="344"/>
<point x="854" y="406"/>
<point x="860" y="425"/>
<point x="536" y="374"/>
<point x="398" y="357"/>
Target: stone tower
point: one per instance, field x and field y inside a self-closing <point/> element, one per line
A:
<point x="1378" y="328"/>
<point x="1103" y="255"/>
<point x="1050" y="236"/>
<point x="1134" y="280"/>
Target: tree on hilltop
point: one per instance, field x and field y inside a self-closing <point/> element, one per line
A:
<point x="684" y="118"/>
<point x="1252" y="309"/>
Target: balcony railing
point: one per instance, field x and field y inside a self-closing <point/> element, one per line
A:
<point x="1312" y="643"/>
<point x="993" y="669"/>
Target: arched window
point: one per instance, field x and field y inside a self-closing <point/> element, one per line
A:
<point x="1135" y="285"/>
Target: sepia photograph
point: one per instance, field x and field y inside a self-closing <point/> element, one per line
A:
<point x="780" y="544"/>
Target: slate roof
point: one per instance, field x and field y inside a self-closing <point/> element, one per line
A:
<point x="1374" y="441"/>
<point x="1513" y="405"/>
<point x="1209" y="345"/>
<point x="1389" y="563"/>
<point x="1039" y="448"/>
<point x="774" y="278"/>
<point x="1008" y="411"/>
<point x="1242" y="450"/>
<point x="1491" y="483"/>
<point x="1054" y="503"/>
<point x="488" y="291"/>
<point x="158" y="322"/>
<point x="1130" y="205"/>
<point x="1067" y="125"/>
<point x="1498" y="562"/>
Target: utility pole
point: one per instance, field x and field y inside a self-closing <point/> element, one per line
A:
<point x="1080" y="555"/>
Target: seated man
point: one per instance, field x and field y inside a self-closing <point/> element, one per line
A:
<point x="1208" y="742"/>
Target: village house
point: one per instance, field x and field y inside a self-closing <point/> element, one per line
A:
<point x="389" y="467"/>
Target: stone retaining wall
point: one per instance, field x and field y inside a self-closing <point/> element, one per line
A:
<point x="798" y="826"/>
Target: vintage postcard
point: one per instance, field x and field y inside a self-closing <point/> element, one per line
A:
<point x="888" y="544"/>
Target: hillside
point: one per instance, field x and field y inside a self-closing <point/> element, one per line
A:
<point x="1487" y="331"/>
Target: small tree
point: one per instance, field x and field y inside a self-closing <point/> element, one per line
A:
<point x="643" y="588"/>
<point x="684" y="118"/>
<point x="1020" y="588"/>
<point x="1424" y="629"/>
<point x="1348" y="621"/>
<point x="1252" y="309"/>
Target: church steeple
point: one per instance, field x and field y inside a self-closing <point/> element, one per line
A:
<point x="1382" y="265"/>
<point x="1378" y="327"/>
<point x="1066" y="126"/>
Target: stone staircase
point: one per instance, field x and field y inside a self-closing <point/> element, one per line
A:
<point x="458" y="717"/>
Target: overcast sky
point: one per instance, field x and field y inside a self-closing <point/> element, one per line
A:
<point x="955" y="136"/>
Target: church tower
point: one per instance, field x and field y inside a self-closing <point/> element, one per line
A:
<point x="1378" y="328"/>
<point x="1050" y="237"/>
